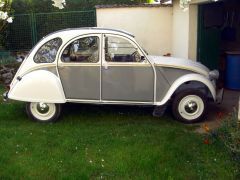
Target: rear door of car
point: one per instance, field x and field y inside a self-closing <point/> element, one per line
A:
<point x="79" y="68"/>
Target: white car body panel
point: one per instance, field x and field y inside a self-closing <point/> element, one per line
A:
<point x="187" y="78"/>
<point x="180" y="64"/>
<point x="38" y="86"/>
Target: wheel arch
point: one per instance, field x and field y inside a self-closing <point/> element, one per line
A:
<point x="177" y="84"/>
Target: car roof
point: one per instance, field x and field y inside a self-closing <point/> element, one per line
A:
<point x="94" y="29"/>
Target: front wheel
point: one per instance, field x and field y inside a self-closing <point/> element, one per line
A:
<point x="189" y="106"/>
<point x="43" y="112"/>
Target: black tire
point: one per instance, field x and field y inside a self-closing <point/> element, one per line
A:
<point x="185" y="103"/>
<point x="38" y="116"/>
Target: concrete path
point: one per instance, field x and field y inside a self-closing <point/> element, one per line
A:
<point x="215" y="113"/>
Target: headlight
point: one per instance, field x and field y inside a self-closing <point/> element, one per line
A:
<point x="214" y="74"/>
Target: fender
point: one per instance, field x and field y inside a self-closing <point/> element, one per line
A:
<point x="186" y="78"/>
<point x="38" y="86"/>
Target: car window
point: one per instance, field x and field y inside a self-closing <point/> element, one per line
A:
<point x="118" y="49"/>
<point x="83" y="50"/>
<point x="47" y="53"/>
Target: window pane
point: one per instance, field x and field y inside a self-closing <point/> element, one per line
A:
<point x="47" y="53"/>
<point x="120" y="50"/>
<point x="84" y="50"/>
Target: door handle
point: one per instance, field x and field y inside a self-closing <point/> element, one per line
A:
<point x="105" y="67"/>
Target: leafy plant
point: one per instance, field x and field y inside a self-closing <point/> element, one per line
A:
<point x="5" y="10"/>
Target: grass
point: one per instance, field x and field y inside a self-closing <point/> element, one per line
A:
<point x="109" y="142"/>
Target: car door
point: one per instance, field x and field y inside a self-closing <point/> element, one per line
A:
<point x="79" y="68"/>
<point x="126" y="74"/>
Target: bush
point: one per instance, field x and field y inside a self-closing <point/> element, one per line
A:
<point x="229" y="134"/>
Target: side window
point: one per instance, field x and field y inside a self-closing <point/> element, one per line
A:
<point x="120" y="50"/>
<point x="47" y="53"/>
<point x="83" y="50"/>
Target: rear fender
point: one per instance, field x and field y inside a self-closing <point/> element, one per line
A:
<point x="38" y="86"/>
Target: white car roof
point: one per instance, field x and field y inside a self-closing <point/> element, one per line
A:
<point x="91" y="30"/>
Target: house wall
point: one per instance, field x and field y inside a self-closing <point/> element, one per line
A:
<point x="180" y="37"/>
<point x="185" y="24"/>
<point x="160" y="30"/>
<point x="193" y="32"/>
<point x="152" y="26"/>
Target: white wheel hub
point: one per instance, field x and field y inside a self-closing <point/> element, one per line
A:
<point x="191" y="107"/>
<point x="43" y="111"/>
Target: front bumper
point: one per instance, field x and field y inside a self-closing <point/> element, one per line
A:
<point x="219" y="95"/>
<point x="5" y="96"/>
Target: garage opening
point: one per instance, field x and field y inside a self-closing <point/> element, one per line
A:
<point x="219" y="37"/>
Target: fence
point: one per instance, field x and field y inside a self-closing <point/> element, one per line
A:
<point x="27" y="29"/>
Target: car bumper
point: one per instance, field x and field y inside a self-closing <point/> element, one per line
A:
<point x="5" y="96"/>
<point x="219" y="95"/>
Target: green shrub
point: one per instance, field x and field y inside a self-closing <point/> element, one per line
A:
<point x="229" y="134"/>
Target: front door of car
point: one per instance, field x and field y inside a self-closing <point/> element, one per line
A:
<point x="80" y="67"/>
<point x="126" y="74"/>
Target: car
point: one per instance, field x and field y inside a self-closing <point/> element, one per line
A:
<point x="108" y="66"/>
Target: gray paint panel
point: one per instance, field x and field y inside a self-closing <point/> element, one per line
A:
<point x="128" y="83"/>
<point x="172" y="74"/>
<point x="81" y="82"/>
<point x="162" y="85"/>
<point x="165" y="78"/>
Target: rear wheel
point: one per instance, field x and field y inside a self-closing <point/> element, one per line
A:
<point x="43" y="112"/>
<point x="189" y="106"/>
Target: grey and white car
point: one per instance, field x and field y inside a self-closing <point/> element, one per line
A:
<point x="106" y="66"/>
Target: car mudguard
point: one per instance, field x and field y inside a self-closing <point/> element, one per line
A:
<point x="186" y="78"/>
<point x="38" y="86"/>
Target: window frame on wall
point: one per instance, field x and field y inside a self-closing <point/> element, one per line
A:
<point x="138" y="49"/>
<point x="97" y="36"/>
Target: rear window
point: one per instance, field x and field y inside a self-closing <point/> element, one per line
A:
<point x="47" y="53"/>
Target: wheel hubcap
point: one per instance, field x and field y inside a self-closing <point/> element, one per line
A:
<point x="191" y="107"/>
<point x="42" y="108"/>
<point x="43" y="111"/>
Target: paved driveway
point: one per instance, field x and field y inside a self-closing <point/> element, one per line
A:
<point x="216" y="112"/>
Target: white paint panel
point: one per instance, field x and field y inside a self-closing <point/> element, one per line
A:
<point x="186" y="78"/>
<point x="38" y="86"/>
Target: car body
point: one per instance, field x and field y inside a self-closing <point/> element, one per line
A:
<point x="107" y="66"/>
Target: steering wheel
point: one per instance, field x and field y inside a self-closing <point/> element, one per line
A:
<point x="136" y="56"/>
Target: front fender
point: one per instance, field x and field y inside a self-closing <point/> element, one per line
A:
<point x="38" y="86"/>
<point x="186" y="78"/>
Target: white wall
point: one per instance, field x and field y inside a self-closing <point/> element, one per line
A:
<point x="193" y="32"/>
<point x="180" y="31"/>
<point x="184" y="37"/>
<point x="160" y="30"/>
<point x="152" y="26"/>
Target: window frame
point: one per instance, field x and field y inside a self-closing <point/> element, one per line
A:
<point x="44" y="45"/>
<point x="60" y="61"/>
<point x="131" y="42"/>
